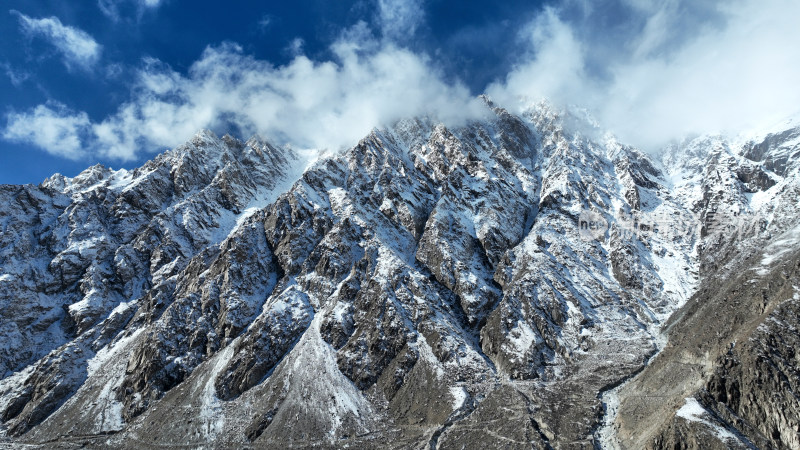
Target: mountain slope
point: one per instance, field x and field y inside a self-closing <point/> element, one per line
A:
<point x="728" y="378"/>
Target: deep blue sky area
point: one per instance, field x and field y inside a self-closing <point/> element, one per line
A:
<point x="117" y="81"/>
<point x="466" y="38"/>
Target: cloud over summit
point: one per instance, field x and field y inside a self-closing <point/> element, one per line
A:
<point x="306" y="103"/>
<point x="681" y="68"/>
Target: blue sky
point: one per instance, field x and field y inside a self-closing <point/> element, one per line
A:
<point x="117" y="81"/>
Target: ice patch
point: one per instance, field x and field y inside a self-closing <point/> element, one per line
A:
<point x="342" y="206"/>
<point x="92" y="298"/>
<point x="788" y="241"/>
<point x="386" y="263"/>
<point x="340" y="310"/>
<point x="266" y="197"/>
<point x="132" y="183"/>
<point x="316" y="375"/>
<point x="758" y="199"/>
<point x="120" y="179"/>
<point x="459" y="396"/>
<point x="107" y="352"/>
<point x="210" y="413"/>
<point x="109" y="418"/>
<point x="106" y="411"/>
<point x="677" y="272"/>
<point x="86" y="248"/>
<point x="693" y="411"/>
<point x="426" y="353"/>
<point x="522" y="337"/>
<point x="606" y="434"/>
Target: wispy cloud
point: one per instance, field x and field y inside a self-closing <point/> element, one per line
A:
<point x="113" y="9"/>
<point x="51" y="127"/>
<point x="295" y="47"/>
<point x="16" y="76"/>
<point x="77" y="48"/>
<point x="265" y="21"/>
<point x="553" y="68"/>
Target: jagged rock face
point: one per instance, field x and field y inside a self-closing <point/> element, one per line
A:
<point x="728" y="377"/>
<point x="778" y="152"/>
<point x="431" y="285"/>
<point x="80" y="256"/>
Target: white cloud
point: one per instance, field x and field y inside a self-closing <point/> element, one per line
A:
<point x="51" y="127"/>
<point x="681" y="73"/>
<point x="399" y="19"/>
<point x="76" y="46"/>
<point x="324" y="105"/>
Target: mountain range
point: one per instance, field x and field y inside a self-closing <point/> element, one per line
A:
<point x="519" y="281"/>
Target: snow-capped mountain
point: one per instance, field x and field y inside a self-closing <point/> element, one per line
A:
<point x="504" y="283"/>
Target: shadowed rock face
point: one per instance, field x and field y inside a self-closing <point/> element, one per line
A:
<point x="754" y="387"/>
<point x="777" y="151"/>
<point x="430" y="286"/>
